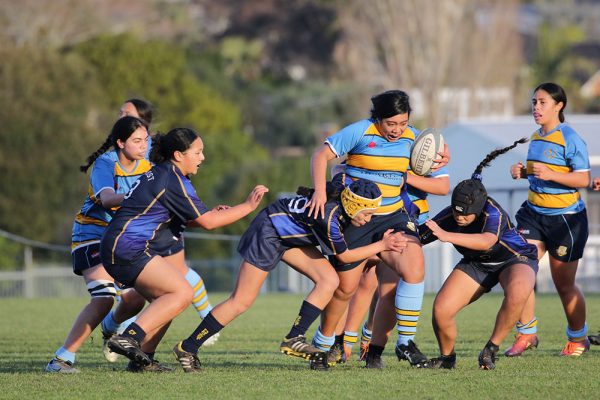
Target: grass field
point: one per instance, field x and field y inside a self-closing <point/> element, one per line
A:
<point x="246" y="363"/>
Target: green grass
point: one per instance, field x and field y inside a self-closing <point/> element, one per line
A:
<point x="246" y="363"/>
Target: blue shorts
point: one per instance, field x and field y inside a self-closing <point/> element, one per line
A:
<point x="126" y="271"/>
<point x="564" y="235"/>
<point x="86" y="257"/>
<point x="261" y="245"/>
<point x="487" y="274"/>
<point x="373" y="231"/>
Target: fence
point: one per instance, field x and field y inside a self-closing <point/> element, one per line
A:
<point x="37" y="280"/>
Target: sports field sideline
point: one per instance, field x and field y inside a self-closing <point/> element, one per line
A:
<point x="245" y="362"/>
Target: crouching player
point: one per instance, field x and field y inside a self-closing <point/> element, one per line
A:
<point x="284" y="231"/>
<point x="493" y="252"/>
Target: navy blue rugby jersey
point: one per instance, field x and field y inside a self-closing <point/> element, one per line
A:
<point x="494" y="220"/>
<point x="153" y="215"/>
<point x="291" y="221"/>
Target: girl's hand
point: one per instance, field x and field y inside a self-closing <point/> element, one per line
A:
<point x="394" y="241"/>
<point x="596" y="184"/>
<point x="542" y="171"/>
<point x="517" y="171"/>
<point x="256" y="196"/>
<point x="316" y="204"/>
<point x="443" y="159"/>
<point x="436" y="230"/>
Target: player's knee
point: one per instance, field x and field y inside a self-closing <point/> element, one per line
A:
<point x="328" y="283"/>
<point x="102" y="303"/>
<point x="344" y="292"/>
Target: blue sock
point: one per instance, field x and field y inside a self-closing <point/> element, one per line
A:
<point x="65" y="355"/>
<point x="365" y="334"/>
<point x="528" y="328"/>
<point x="321" y="341"/>
<point x="577" y="336"/>
<point x="200" y="300"/>
<point x="409" y="299"/>
<point x="109" y="325"/>
<point x="350" y="338"/>
<point x="121" y="327"/>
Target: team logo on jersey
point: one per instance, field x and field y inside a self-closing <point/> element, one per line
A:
<point x="549" y="153"/>
<point x="561" y="251"/>
<point x="371" y="145"/>
<point x="411" y="225"/>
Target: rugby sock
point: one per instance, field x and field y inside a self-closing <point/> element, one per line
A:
<point x="135" y="331"/>
<point x="376" y="350"/>
<point x="109" y="325"/>
<point x="577" y="336"/>
<point x="121" y="327"/>
<point x="365" y="334"/>
<point x="65" y="355"/>
<point x="350" y="338"/>
<point x="409" y="298"/>
<point x="528" y="328"/>
<point x="200" y="300"/>
<point x="321" y="341"/>
<point x="150" y="355"/>
<point x="207" y="328"/>
<point x="308" y="314"/>
<point x="339" y="339"/>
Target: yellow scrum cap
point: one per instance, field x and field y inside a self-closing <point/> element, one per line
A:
<point x="359" y="196"/>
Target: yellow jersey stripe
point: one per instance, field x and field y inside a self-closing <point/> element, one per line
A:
<point x="548" y="200"/>
<point x="378" y="163"/>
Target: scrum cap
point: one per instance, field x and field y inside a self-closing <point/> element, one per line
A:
<point x="469" y="196"/>
<point x="359" y="196"/>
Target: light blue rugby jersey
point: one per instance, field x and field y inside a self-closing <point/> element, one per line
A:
<point x="107" y="172"/>
<point x="372" y="157"/>
<point x="419" y="197"/>
<point x="562" y="150"/>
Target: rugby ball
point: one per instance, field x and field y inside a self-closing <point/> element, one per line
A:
<point x="424" y="150"/>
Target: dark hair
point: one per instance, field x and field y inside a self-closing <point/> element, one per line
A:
<point x="470" y="196"/>
<point x="333" y="188"/>
<point x="164" y="145"/>
<point x="558" y="95"/>
<point x="144" y="109"/>
<point x="121" y="130"/>
<point x="390" y="103"/>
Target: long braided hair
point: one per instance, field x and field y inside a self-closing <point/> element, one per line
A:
<point x="121" y="130"/>
<point x="470" y="196"/>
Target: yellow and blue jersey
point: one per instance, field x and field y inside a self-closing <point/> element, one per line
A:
<point x="419" y="197"/>
<point x="493" y="219"/>
<point x="561" y="150"/>
<point x="372" y="157"/>
<point x="107" y="172"/>
<point x="153" y="215"/>
<point x="290" y="219"/>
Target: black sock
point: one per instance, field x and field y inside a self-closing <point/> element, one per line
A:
<point x="207" y="328"/>
<point x="376" y="350"/>
<point x="134" y="331"/>
<point x="339" y="339"/>
<point x="490" y="345"/>
<point x="308" y="314"/>
<point x="150" y="355"/>
<point x="450" y="357"/>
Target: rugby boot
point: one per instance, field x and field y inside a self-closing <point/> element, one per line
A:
<point x="335" y="355"/>
<point x="189" y="361"/>
<point x="319" y="362"/>
<point x="155" y="366"/>
<point x="594" y="339"/>
<point x="373" y="360"/>
<point x="487" y="357"/>
<point x="56" y="365"/>
<point x="128" y="347"/>
<point x="575" y="349"/>
<point x="110" y="356"/>
<point x="412" y="354"/>
<point x="442" y="362"/>
<point x="522" y="342"/>
<point x="297" y="347"/>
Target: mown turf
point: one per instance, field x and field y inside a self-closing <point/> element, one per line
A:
<point x="246" y="363"/>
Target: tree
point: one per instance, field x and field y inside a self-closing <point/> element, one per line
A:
<point x="429" y="45"/>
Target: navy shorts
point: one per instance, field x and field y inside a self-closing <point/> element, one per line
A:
<point x="86" y="257"/>
<point x="487" y="274"/>
<point x="373" y="231"/>
<point x="261" y="245"/>
<point x="564" y="235"/>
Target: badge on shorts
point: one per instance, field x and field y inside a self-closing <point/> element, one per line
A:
<point x="561" y="251"/>
<point x="411" y="225"/>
